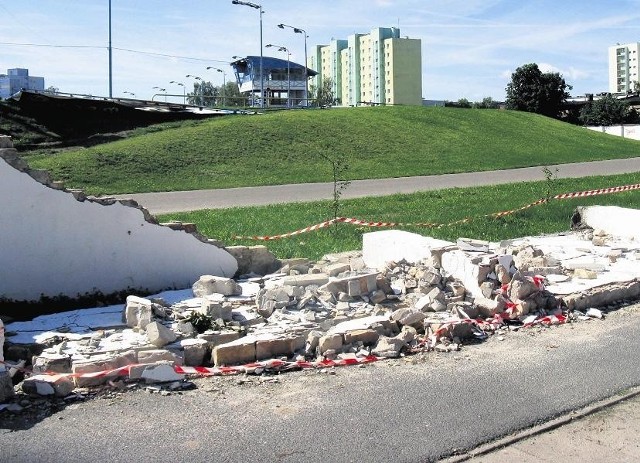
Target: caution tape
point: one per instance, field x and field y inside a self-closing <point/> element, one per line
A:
<point x="365" y="223"/>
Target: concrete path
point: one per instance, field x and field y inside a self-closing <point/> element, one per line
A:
<point x="609" y="434"/>
<point x="178" y="201"/>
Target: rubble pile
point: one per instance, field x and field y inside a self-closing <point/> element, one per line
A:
<point x="343" y="308"/>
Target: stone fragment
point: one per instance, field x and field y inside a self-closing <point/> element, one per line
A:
<point x="414" y="318"/>
<point x="309" y="279"/>
<point x="585" y="274"/>
<point x="51" y="363"/>
<point x="58" y="385"/>
<point x="330" y="341"/>
<point x="594" y="313"/>
<point x="242" y="350"/>
<point x="194" y="351"/>
<point x="520" y="287"/>
<point x="336" y="269"/>
<point x="105" y="364"/>
<point x="367" y="337"/>
<point x="504" y="277"/>
<point x="254" y="259"/>
<point x="215" y="309"/>
<point x="6" y="386"/>
<point x="354" y="286"/>
<point x="487" y="308"/>
<point x="270" y="346"/>
<point x="159" y="335"/>
<point x="215" y="338"/>
<point x="138" y="312"/>
<point x="377" y="296"/>
<point x="160" y="373"/>
<point x="381" y="247"/>
<point x="158" y="355"/>
<point x="389" y="347"/>
<point x="210" y="284"/>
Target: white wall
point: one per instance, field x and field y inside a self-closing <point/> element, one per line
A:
<point x="53" y="244"/>
<point x="625" y="131"/>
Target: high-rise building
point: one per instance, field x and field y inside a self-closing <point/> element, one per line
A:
<point x="375" y="68"/>
<point x="623" y="67"/>
<point x="18" y="79"/>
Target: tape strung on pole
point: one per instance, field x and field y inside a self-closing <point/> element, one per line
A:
<point x="364" y="223"/>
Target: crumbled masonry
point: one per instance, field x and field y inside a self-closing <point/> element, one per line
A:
<point x="351" y="307"/>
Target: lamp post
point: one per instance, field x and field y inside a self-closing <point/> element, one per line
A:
<point x="201" y="89"/>
<point x="297" y="30"/>
<point x="184" y="93"/>
<point x="224" y="80"/>
<point x="257" y="7"/>
<point x="281" y="48"/>
<point x="160" y="89"/>
<point x="129" y="93"/>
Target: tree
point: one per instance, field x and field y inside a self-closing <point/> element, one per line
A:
<point x="605" y="111"/>
<point x="323" y="95"/>
<point x="463" y="103"/>
<point x="533" y="91"/>
<point x="51" y="89"/>
<point x="486" y="103"/>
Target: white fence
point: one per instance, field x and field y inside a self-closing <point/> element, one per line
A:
<point x="624" y="131"/>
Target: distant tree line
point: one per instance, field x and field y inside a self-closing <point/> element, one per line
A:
<point x="546" y="93"/>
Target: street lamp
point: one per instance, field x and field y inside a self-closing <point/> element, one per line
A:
<point x="129" y="93"/>
<point x="160" y="89"/>
<point x="257" y="7"/>
<point x="281" y="48"/>
<point x="297" y="30"/>
<point x="201" y="88"/>
<point x="224" y="81"/>
<point x="184" y="93"/>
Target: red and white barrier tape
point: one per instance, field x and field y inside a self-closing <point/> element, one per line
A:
<point x="364" y="223"/>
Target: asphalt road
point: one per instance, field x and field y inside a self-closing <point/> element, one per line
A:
<point x="179" y="201"/>
<point x="419" y="408"/>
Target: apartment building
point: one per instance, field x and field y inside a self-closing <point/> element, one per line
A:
<point x="370" y="69"/>
<point x="18" y="79"/>
<point x="623" y="67"/>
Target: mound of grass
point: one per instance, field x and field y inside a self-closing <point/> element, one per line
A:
<point x="292" y="147"/>
<point x="442" y="206"/>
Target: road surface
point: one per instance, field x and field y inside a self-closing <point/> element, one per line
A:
<point x="179" y="201"/>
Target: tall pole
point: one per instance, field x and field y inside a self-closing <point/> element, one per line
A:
<point x="288" y="78"/>
<point x="110" y="57"/>
<point x="261" y="73"/>
<point x="297" y="30"/>
<point x="259" y="8"/>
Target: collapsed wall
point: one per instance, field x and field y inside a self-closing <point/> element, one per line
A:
<point x="56" y="242"/>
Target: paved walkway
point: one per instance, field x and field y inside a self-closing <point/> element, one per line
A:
<point x="178" y="201"/>
<point x="602" y="432"/>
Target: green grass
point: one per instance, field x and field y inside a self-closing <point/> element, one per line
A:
<point x="288" y="147"/>
<point x="441" y="206"/>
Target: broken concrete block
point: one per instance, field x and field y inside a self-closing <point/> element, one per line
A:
<point x="138" y="312"/>
<point x="6" y="386"/>
<point x="413" y="318"/>
<point x="337" y="268"/>
<point x="353" y="286"/>
<point x="489" y="307"/>
<point x="160" y="373"/>
<point x="58" y="385"/>
<point x="315" y="279"/>
<point x="52" y="363"/>
<point x="612" y="220"/>
<point x="240" y="351"/>
<point x="159" y="335"/>
<point x="271" y="346"/>
<point x="194" y="351"/>
<point x="470" y="269"/>
<point x="367" y="337"/>
<point x="381" y="247"/>
<point x="158" y="355"/>
<point x="389" y="347"/>
<point x="330" y="341"/>
<point x="215" y="309"/>
<point x="521" y="288"/>
<point x="585" y="274"/>
<point x="377" y="297"/>
<point x="215" y="338"/>
<point x="210" y="284"/>
<point x="101" y="363"/>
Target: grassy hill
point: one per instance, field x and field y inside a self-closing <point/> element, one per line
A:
<point x="292" y="146"/>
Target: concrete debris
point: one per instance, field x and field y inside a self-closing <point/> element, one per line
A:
<point x="389" y="300"/>
<point x="58" y="385"/>
<point x="6" y="386"/>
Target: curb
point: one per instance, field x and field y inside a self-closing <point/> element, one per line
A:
<point x="484" y="449"/>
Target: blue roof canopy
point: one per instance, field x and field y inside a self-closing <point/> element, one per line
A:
<point x="268" y="63"/>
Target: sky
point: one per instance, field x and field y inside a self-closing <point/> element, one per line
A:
<point x="469" y="47"/>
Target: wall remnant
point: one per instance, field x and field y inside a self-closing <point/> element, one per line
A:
<point x="58" y="242"/>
